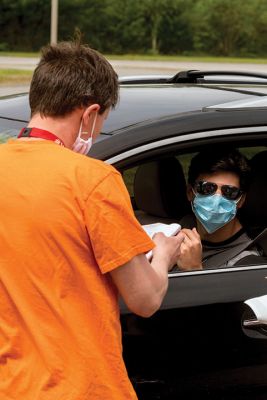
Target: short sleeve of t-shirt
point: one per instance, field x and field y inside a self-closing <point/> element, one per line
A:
<point x="115" y="234"/>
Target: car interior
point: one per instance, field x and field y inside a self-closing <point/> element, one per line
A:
<point x="158" y="192"/>
<point x="254" y="212"/>
<point x="155" y="193"/>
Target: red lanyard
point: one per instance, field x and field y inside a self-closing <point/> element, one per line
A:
<point x="40" y="133"/>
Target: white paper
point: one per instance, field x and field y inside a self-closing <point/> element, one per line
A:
<point x="259" y="307"/>
<point x="167" y="229"/>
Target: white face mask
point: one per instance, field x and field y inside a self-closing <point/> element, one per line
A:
<point x="83" y="146"/>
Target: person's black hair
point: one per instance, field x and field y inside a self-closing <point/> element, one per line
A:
<point x="213" y="160"/>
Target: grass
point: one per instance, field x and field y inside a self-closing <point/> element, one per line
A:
<point x="148" y="57"/>
<point x="157" y="57"/>
<point x="14" y="76"/>
<point x="18" y="54"/>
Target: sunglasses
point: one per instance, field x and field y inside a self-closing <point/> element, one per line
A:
<point x="209" y="188"/>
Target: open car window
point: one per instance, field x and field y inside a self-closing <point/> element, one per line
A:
<point x="157" y="187"/>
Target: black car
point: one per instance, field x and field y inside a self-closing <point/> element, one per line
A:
<point x="196" y="345"/>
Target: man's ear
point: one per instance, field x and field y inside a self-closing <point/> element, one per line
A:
<point x="189" y="193"/>
<point x="90" y="113"/>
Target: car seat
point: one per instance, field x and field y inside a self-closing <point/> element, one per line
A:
<point x="160" y="191"/>
<point x="253" y="214"/>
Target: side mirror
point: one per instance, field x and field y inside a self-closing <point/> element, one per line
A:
<point x="254" y="321"/>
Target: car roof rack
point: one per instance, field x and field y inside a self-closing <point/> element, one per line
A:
<point x="143" y="79"/>
<point x="197" y="76"/>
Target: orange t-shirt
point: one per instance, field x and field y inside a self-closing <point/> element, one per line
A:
<point x="66" y="220"/>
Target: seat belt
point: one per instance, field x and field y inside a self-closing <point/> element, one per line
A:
<point x="218" y="260"/>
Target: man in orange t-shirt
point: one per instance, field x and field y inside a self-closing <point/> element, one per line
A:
<point x="63" y="261"/>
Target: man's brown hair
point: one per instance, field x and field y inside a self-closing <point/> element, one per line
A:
<point x="72" y="75"/>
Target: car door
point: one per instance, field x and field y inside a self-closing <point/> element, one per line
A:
<point x="195" y="344"/>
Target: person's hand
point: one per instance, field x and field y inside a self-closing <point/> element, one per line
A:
<point x="190" y="257"/>
<point x="167" y="249"/>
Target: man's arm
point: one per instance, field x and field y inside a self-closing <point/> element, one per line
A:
<point x="143" y="285"/>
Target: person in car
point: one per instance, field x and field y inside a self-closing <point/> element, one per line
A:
<point x="70" y="243"/>
<point x="214" y="236"/>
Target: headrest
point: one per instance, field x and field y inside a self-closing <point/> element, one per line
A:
<point x="160" y="188"/>
<point x="258" y="162"/>
<point x="254" y="210"/>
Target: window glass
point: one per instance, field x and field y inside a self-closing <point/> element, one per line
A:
<point x="249" y="152"/>
<point x="145" y="217"/>
<point x="128" y="177"/>
<point x="7" y="133"/>
<point x="185" y="160"/>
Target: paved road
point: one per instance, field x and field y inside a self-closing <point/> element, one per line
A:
<point x="130" y="67"/>
<point x="28" y="63"/>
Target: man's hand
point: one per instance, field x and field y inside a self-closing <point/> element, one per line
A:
<point x="167" y="249"/>
<point x="191" y="251"/>
<point x="143" y="285"/>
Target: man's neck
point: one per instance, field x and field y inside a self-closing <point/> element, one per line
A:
<point x="65" y="128"/>
<point x="221" y="234"/>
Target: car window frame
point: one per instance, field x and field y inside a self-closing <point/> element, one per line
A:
<point x="207" y="286"/>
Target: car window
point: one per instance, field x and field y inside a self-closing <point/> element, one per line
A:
<point x="148" y="196"/>
<point x="250" y="152"/>
<point x="184" y="159"/>
<point x="128" y="177"/>
<point x="129" y="174"/>
<point x="7" y="132"/>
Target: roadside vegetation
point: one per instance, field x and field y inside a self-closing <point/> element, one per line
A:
<point x="162" y="57"/>
<point x="19" y="54"/>
<point x="14" y="76"/>
<point x="227" y="28"/>
<point x="156" y="57"/>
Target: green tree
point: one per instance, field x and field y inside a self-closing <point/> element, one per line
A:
<point x="257" y="44"/>
<point x="222" y="27"/>
<point x="24" y="23"/>
<point x="175" y="34"/>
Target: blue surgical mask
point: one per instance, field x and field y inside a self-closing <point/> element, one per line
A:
<point x="213" y="211"/>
